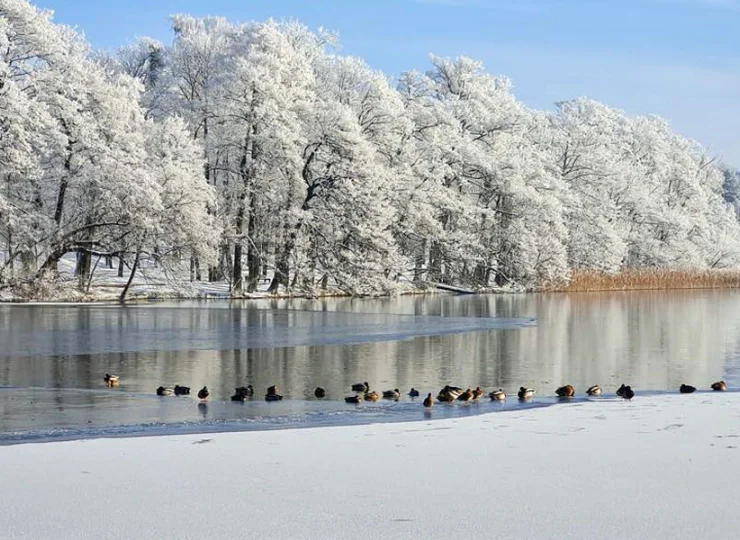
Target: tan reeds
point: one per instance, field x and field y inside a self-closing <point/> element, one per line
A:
<point x="646" y="279"/>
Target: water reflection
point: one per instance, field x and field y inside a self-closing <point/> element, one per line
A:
<point x="654" y="340"/>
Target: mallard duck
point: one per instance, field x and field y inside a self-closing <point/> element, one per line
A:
<point x="110" y="380"/>
<point x="162" y="391"/>
<point x="687" y="389"/>
<point x="566" y="391"/>
<point x="525" y="393"/>
<point x="273" y="397"/>
<point x="203" y="393"/>
<point x="625" y="392"/>
<point x="449" y="393"/>
<point x="719" y="386"/>
<point x="413" y="393"/>
<point x="353" y="399"/>
<point x="392" y="394"/>
<point x="182" y="390"/>
<point x="272" y="390"/>
<point x="372" y="396"/>
<point x="428" y="401"/>
<point x="238" y="396"/>
<point x="466" y="396"/>
<point x="319" y="393"/>
<point x="594" y="390"/>
<point x="498" y="395"/>
<point x="477" y="393"/>
<point x="361" y="387"/>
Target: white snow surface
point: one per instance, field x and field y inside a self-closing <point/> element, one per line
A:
<point x="656" y="467"/>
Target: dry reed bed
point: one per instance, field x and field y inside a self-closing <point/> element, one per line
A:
<point x="647" y="279"/>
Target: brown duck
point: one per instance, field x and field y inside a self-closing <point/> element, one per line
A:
<point x="719" y="386"/>
<point x="566" y="391"/>
<point x="466" y="396"/>
<point x="428" y="401"/>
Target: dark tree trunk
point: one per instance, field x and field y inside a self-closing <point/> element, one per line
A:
<point x="84" y="264"/>
<point x="121" y="264"/>
<point x="419" y="262"/>
<point x="253" y="256"/>
<point x="131" y="276"/>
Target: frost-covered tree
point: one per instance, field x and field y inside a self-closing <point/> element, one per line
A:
<point x="77" y="154"/>
<point x="257" y="151"/>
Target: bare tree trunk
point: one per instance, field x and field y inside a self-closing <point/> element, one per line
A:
<point x="131" y="276"/>
<point x="121" y="264"/>
<point x="253" y="256"/>
<point x="84" y="264"/>
<point x="421" y="257"/>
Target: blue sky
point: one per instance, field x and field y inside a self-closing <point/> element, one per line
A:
<point x="676" y="58"/>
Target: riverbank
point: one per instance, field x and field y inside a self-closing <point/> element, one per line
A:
<point x="656" y="467"/>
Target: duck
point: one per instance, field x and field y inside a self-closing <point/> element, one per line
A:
<point x="719" y="386"/>
<point x="162" y="391"/>
<point x="428" y="401"/>
<point x="203" y="393"/>
<point x="247" y="391"/>
<point x="447" y="392"/>
<point x="687" y="389"/>
<point x="242" y="393"/>
<point x="319" y="393"/>
<point x="392" y="394"/>
<point x="594" y="390"/>
<point x="353" y="399"/>
<point x="566" y="391"/>
<point x="414" y="392"/>
<point x="182" y="390"/>
<point x="625" y="392"/>
<point x="478" y="393"/>
<point x="447" y="398"/>
<point x="466" y="396"/>
<point x="361" y="387"/>
<point x="272" y="394"/>
<point x="525" y="393"/>
<point x="372" y="396"/>
<point x="110" y="380"/>
<point x="497" y="395"/>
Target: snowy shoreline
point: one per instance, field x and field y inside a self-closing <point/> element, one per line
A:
<point x="656" y="467"/>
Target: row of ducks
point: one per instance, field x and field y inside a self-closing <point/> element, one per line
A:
<point x="448" y="394"/>
<point x="178" y="390"/>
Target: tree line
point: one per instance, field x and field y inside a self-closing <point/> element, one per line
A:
<point x="242" y="152"/>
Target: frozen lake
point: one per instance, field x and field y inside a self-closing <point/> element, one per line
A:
<point x="53" y="358"/>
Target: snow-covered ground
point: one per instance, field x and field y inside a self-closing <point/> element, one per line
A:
<point x="150" y="281"/>
<point x="656" y="467"/>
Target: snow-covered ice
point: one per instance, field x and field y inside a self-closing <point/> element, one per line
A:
<point x="656" y="467"/>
